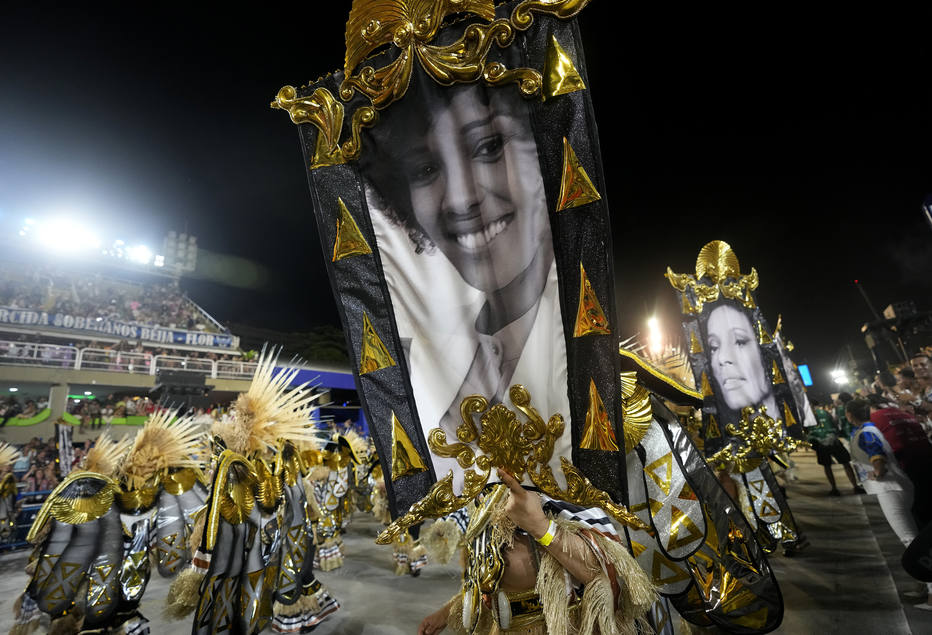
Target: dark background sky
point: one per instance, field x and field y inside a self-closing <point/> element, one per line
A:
<point x="799" y="135"/>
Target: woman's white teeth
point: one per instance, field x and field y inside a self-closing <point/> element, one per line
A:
<point x="471" y="241"/>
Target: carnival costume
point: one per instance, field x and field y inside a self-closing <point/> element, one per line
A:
<point x="129" y="504"/>
<point x="472" y="268"/>
<point x="8" y="456"/>
<point x="254" y="543"/>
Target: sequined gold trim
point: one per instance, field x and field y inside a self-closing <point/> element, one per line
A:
<point x="136" y="500"/>
<point x="349" y="240"/>
<point x="74" y="511"/>
<point x="374" y="355"/>
<point x="706" y="386"/>
<point x="590" y="319"/>
<point x="694" y="346"/>
<point x="712" y="431"/>
<point x="598" y="433"/>
<point x="763" y="337"/>
<point x="576" y="188"/>
<point x="405" y="458"/>
<point x="561" y="77"/>
<point x="716" y="264"/>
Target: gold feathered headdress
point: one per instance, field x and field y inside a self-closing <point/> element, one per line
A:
<point x="106" y="455"/>
<point x="268" y="411"/>
<point x="164" y="442"/>
<point x="8" y="455"/>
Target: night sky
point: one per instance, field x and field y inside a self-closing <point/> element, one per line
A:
<point x="801" y="136"/>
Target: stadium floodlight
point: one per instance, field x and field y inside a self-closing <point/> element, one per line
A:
<point x="65" y="234"/>
<point x="654" y="336"/>
<point x="840" y="377"/>
<point x="140" y="254"/>
<point x="14" y="389"/>
<point x="87" y="393"/>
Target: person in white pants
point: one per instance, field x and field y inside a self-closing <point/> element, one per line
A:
<point x="882" y="477"/>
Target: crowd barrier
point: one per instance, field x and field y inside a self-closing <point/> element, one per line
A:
<point x="27" y="513"/>
<point x="55" y="356"/>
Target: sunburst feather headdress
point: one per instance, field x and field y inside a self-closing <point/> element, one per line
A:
<point x="269" y="412"/>
<point x="165" y="441"/>
<point x="8" y="454"/>
<point x="107" y="455"/>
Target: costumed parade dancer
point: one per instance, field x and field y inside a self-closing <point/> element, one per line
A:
<point x="8" y="456"/>
<point x="749" y="409"/>
<point x="456" y="178"/>
<point x="252" y="564"/>
<point x="131" y="502"/>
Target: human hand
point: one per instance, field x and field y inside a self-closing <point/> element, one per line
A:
<point x="523" y="507"/>
<point x="434" y="623"/>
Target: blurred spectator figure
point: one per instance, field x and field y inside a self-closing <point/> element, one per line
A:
<point x="93" y="413"/>
<point x="883" y="477"/>
<point x="825" y="442"/>
<point x="30" y="410"/>
<point x="130" y="407"/>
<point x="11" y="408"/>
<point x="840" y="417"/>
<point x="911" y="449"/>
<point x="923" y="370"/>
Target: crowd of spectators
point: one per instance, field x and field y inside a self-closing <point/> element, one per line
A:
<point x="908" y="386"/>
<point x="93" y="296"/>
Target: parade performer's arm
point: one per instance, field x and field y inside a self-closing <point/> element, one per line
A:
<point x="570" y="550"/>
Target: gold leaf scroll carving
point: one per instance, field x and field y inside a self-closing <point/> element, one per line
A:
<point x="501" y="440"/>
<point x="718" y="274"/>
<point x="590" y="319"/>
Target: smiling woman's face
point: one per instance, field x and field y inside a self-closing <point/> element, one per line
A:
<point x="476" y="188"/>
<point x="735" y="358"/>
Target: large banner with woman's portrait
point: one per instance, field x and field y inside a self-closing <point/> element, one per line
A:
<point x="736" y="363"/>
<point x="459" y="197"/>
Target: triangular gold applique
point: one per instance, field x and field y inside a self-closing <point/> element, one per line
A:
<point x="706" y="386"/>
<point x="687" y="493"/>
<point x="683" y="530"/>
<point x="687" y="306"/>
<point x="712" y="431"/>
<point x="694" y="345"/>
<point x="655" y="506"/>
<point x="590" y="319"/>
<point x="374" y="356"/>
<point x="349" y="240"/>
<point x="637" y="548"/>
<point x="575" y="188"/>
<point x="777" y="375"/>
<point x="757" y="486"/>
<point x="561" y="77"/>
<point x="763" y="337"/>
<point x="665" y="464"/>
<point x="598" y="433"/>
<point x="665" y="571"/>
<point x="788" y="418"/>
<point x="405" y="459"/>
<point x="767" y="510"/>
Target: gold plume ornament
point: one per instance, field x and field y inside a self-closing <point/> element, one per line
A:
<point x="106" y="455"/>
<point x="636" y="408"/>
<point x="164" y="442"/>
<point x="501" y="440"/>
<point x="409" y="28"/>
<point x="756" y="435"/>
<point x="8" y="455"/>
<point x="718" y="274"/>
<point x="269" y="411"/>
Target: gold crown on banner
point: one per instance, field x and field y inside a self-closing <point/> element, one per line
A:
<point x="411" y="26"/>
<point x="501" y="440"/>
<point x="718" y="273"/>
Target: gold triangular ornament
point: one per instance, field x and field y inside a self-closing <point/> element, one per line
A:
<point x="706" y="386"/>
<point x="598" y="433"/>
<point x="590" y="319"/>
<point x="654" y="468"/>
<point x="405" y="459"/>
<point x="788" y="418"/>
<point x="349" y="240"/>
<point x="374" y="356"/>
<point x="561" y="76"/>
<point x="763" y="337"/>
<point x="575" y="188"/>
<point x="712" y="431"/>
<point x="694" y="345"/>
<point x="777" y="375"/>
<point x="681" y="523"/>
